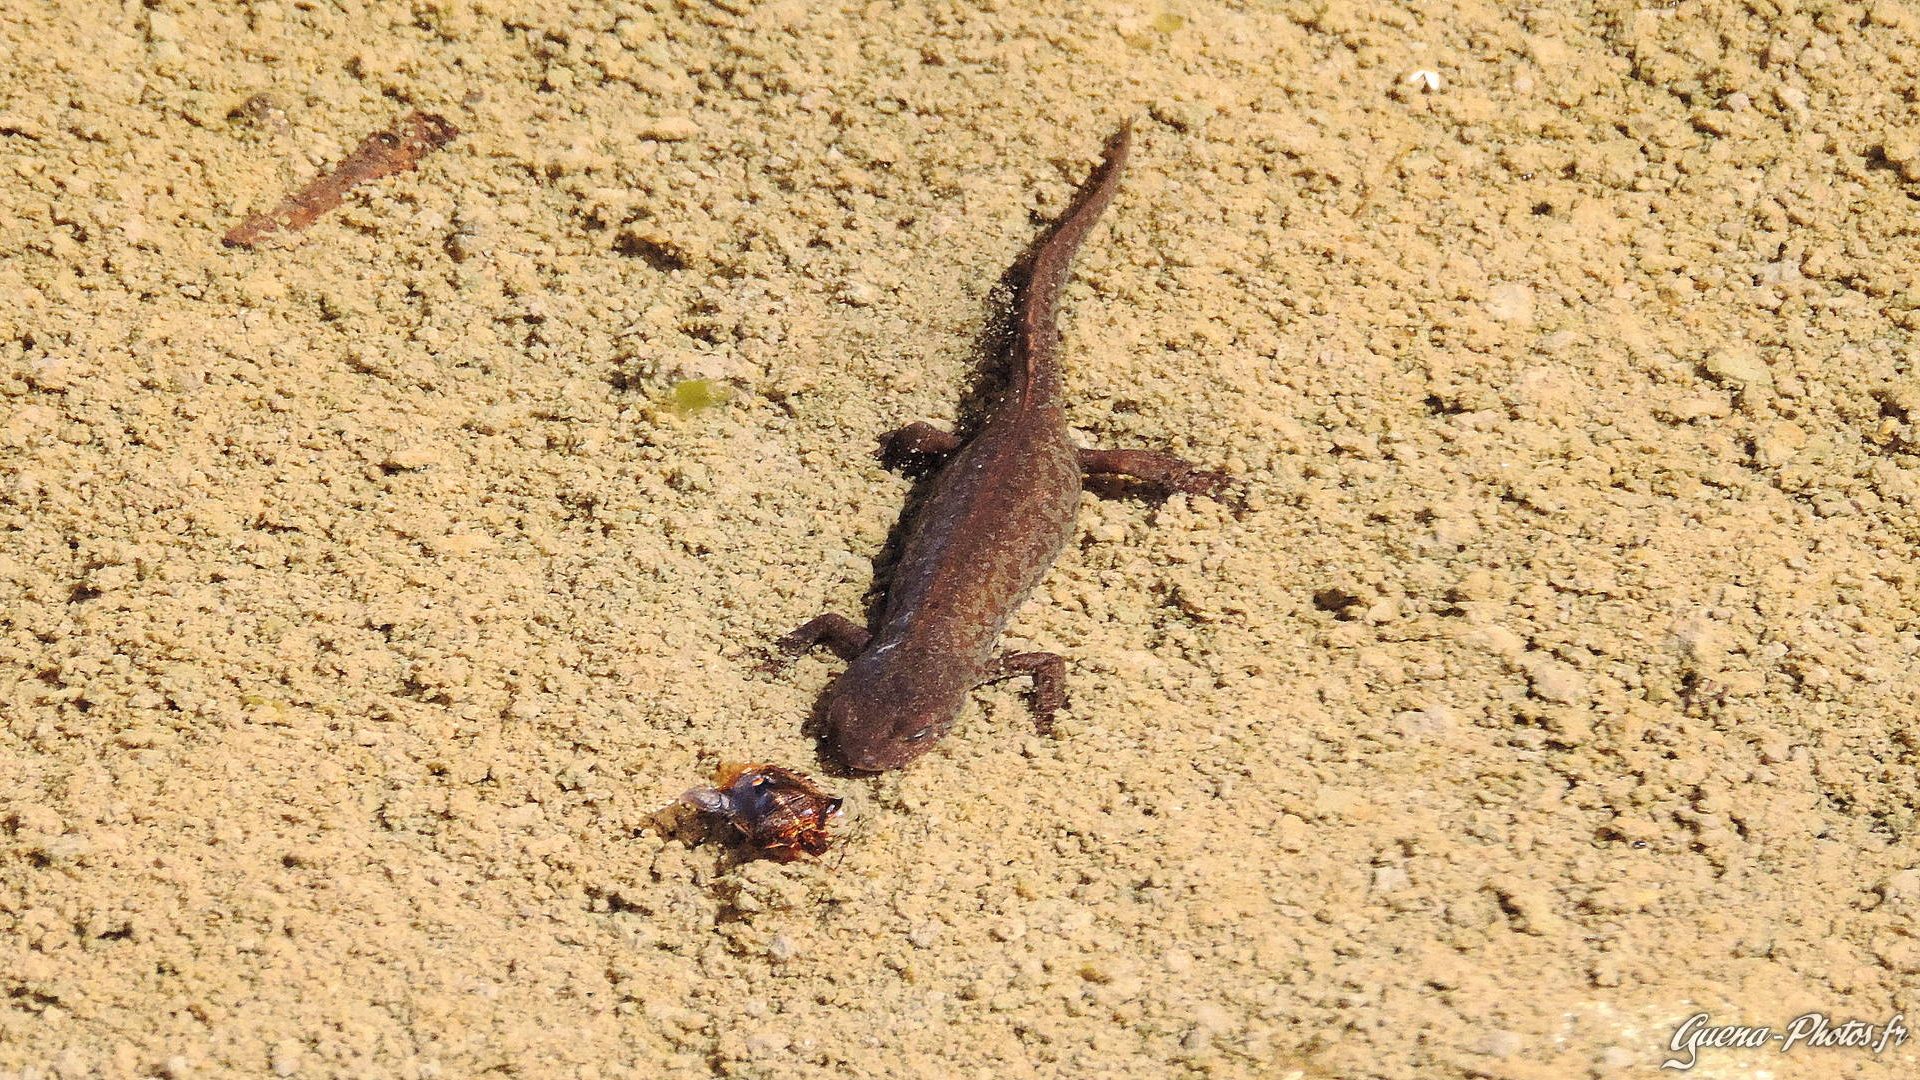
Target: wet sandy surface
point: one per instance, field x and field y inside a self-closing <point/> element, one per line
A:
<point x="362" y="599"/>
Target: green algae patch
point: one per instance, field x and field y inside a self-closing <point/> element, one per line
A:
<point x="690" y="396"/>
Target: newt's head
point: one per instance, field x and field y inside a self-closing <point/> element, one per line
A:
<point x="884" y="720"/>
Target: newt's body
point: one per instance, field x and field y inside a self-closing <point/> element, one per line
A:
<point x="998" y="515"/>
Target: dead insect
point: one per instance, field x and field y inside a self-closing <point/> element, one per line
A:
<point x="779" y="811"/>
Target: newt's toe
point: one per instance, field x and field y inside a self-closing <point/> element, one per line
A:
<point x="1202" y="482"/>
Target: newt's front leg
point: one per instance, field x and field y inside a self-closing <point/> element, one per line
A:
<point x="918" y="439"/>
<point x="921" y="444"/>
<point x="1049" y="674"/>
<point x="841" y="635"/>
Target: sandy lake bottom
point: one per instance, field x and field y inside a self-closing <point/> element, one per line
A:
<point x="364" y="599"/>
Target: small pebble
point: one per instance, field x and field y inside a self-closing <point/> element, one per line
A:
<point x="1389" y="879"/>
<point x="1739" y="365"/>
<point x="766" y="1043"/>
<point x="1554" y="681"/>
<point x="1500" y="1043"/>
<point x="1511" y="301"/>
<point x="1902" y="890"/>
<point x="1616" y="1057"/>
<point x="669" y="129"/>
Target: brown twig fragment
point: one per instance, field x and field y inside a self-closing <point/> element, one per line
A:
<point x="382" y="154"/>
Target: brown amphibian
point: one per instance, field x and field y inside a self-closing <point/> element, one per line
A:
<point x="997" y="516"/>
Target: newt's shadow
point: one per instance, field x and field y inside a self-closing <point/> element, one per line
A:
<point x="681" y="824"/>
<point x="984" y="389"/>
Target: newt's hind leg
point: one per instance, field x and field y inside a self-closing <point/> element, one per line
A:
<point x="1159" y="472"/>
<point x="1110" y="472"/>
<point x="841" y="635"/>
<point x="1049" y="674"/>
<point x="916" y="446"/>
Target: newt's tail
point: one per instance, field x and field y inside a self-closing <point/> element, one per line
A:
<point x="1035" y="363"/>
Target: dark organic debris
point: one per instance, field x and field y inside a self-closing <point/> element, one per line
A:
<point x="382" y="154"/>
